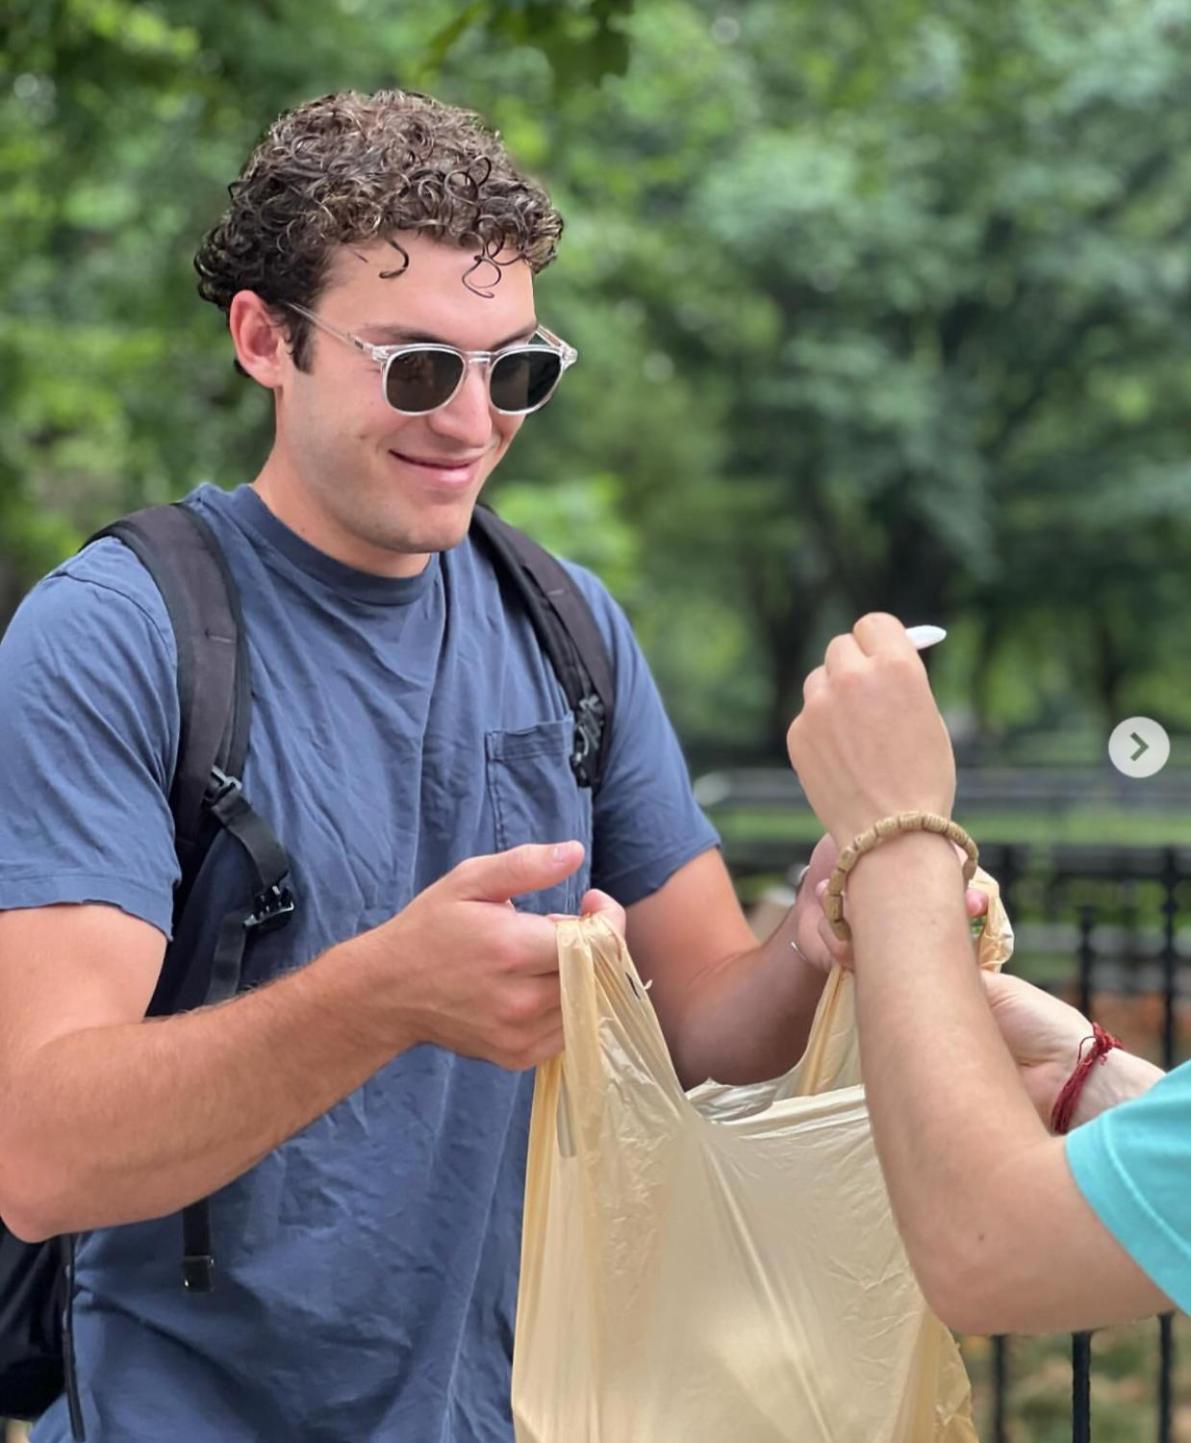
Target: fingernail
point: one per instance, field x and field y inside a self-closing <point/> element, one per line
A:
<point x="561" y="851"/>
<point x="820" y="888"/>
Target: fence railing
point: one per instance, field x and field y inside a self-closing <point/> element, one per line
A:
<point x="1037" y="789"/>
<point x="1108" y="927"/>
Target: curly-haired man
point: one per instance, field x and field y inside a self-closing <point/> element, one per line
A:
<point x="360" y="1112"/>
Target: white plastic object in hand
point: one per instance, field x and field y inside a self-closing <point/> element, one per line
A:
<point x="924" y="636"/>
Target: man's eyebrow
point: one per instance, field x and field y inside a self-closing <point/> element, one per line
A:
<point x="398" y="336"/>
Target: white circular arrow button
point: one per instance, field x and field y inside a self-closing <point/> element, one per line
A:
<point x="1139" y="747"/>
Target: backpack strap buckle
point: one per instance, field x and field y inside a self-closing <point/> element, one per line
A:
<point x="270" y="908"/>
<point x="589" y="732"/>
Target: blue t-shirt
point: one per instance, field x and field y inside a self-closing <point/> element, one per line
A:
<point x="366" y="1270"/>
<point x="1133" y="1164"/>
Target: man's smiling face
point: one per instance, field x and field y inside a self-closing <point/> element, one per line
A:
<point x="374" y="488"/>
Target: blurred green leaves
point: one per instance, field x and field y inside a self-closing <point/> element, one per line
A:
<point x="879" y="306"/>
<point x="584" y="40"/>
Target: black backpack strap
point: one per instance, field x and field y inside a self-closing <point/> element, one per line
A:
<point x="70" y="1372"/>
<point x="568" y="632"/>
<point x="183" y="556"/>
<point x="178" y="549"/>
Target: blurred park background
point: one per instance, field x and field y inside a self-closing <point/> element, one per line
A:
<point x="880" y="304"/>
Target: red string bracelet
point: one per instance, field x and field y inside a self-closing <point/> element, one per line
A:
<point x="1064" y="1108"/>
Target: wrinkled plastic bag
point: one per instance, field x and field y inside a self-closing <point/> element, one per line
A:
<point x="720" y="1266"/>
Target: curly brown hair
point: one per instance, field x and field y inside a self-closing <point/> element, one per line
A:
<point x="356" y="168"/>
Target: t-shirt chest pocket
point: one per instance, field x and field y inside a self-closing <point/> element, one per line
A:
<point x="535" y="798"/>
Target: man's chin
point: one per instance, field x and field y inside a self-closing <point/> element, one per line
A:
<point x="443" y="531"/>
<point x="426" y="537"/>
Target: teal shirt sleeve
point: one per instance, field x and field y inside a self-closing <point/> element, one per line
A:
<point x="1133" y="1164"/>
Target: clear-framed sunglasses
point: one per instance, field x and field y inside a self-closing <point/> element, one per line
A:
<point x="424" y="375"/>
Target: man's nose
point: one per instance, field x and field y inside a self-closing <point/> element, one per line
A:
<point x="467" y="416"/>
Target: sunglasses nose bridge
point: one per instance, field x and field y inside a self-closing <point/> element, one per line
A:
<point x="480" y="361"/>
<point x="467" y="413"/>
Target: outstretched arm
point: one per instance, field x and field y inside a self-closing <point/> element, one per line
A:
<point x="996" y="1228"/>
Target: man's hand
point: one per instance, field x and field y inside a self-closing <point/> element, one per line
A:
<point x="462" y="968"/>
<point x="1045" y="1035"/>
<point x="869" y="741"/>
<point x="813" y="937"/>
<point x="1042" y="1032"/>
<point x="599" y="904"/>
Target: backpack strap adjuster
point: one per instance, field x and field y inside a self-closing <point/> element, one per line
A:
<point x="196" y="1272"/>
<point x="219" y="788"/>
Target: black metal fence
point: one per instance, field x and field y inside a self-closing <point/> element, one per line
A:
<point x="1108" y="927"/>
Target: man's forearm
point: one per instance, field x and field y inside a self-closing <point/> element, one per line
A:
<point x="117" y="1124"/>
<point x="943" y="1093"/>
<point x="750" y="1016"/>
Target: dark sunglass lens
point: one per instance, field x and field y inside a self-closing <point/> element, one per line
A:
<point x="524" y="379"/>
<point x="422" y="380"/>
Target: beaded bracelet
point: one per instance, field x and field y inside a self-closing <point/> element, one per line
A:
<point x="833" y="898"/>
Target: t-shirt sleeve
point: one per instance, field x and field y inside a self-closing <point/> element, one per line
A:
<point x="1133" y="1163"/>
<point x="88" y="741"/>
<point x="647" y="823"/>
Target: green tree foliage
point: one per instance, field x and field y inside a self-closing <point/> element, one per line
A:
<point x="880" y="305"/>
<point x="922" y="271"/>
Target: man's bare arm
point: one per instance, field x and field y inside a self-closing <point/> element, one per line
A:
<point x="730" y="1008"/>
<point x="1000" y="1236"/>
<point x="106" y="1118"/>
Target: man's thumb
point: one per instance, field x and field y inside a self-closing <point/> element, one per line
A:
<point x="529" y="868"/>
<point x="599" y="904"/>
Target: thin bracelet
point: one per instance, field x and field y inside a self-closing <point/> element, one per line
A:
<point x="1064" y="1108"/>
<point x="895" y="826"/>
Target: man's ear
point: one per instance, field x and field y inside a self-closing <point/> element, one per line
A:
<point x="262" y="345"/>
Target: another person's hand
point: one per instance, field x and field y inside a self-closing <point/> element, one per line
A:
<point x="869" y="741"/>
<point x="1042" y="1032"/>
<point x="1046" y="1036"/>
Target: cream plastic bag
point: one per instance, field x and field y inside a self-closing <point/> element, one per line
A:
<point x="719" y="1266"/>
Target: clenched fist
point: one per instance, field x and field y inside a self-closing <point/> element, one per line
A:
<point x="869" y="741"/>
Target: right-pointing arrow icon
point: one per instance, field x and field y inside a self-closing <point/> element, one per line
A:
<point x="1139" y="746"/>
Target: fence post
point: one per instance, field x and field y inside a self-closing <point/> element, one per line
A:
<point x="1170" y="905"/>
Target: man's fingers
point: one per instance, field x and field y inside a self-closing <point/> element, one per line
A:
<point x="879" y="632"/>
<point x="598" y="904"/>
<point x="836" y="950"/>
<point x="843" y="654"/>
<point x="504" y="875"/>
<point x="840" y="952"/>
<point x="814" y="683"/>
<point x="822" y="862"/>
